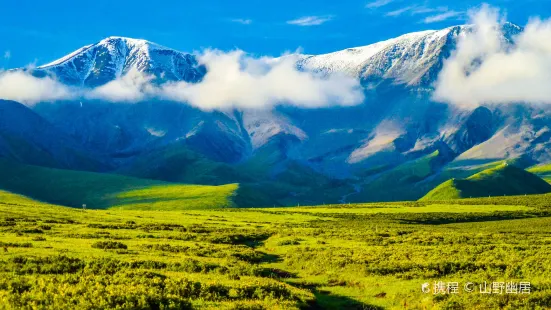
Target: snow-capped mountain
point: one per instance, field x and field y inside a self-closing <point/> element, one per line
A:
<point x="111" y="58"/>
<point x="413" y="58"/>
<point x="339" y="151"/>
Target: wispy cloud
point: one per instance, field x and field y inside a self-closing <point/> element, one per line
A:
<point x="242" y="21"/>
<point x="7" y="54"/>
<point x="401" y="11"/>
<point x="310" y="20"/>
<point x="441" y="17"/>
<point x="417" y="10"/>
<point x="378" y="3"/>
<point x="427" y="10"/>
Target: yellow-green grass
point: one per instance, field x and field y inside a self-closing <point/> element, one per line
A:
<point x="363" y="256"/>
<point x="543" y="171"/>
<point x="378" y="208"/>
<point x="503" y="180"/>
<point x="177" y="197"/>
<point x="102" y="191"/>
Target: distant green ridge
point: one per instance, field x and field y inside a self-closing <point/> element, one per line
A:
<point x="101" y="191"/>
<point x="503" y="180"/>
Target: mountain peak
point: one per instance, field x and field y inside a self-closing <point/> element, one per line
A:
<point x="99" y="63"/>
<point x="412" y="58"/>
<point x="131" y="42"/>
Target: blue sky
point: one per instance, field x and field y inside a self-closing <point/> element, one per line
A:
<point x="40" y="31"/>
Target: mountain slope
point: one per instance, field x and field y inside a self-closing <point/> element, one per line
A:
<point x="7" y="198"/>
<point x="28" y="138"/>
<point x="499" y="181"/>
<point x="102" y="191"/>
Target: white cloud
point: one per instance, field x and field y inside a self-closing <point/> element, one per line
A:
<point x="310" y="20"/>
<point x="426" y="10"/>
<point x="233" y="79"/>
<point x="399" y="12"/>
<point x="7" y="54"/>
<point x="133" y="86"/>
<point x="242" y="21"/>
<point x="486" y="69"/>
<point x="441" y="17"/>
<point x="378" y="3"/>
<point x="237" y="80"/>
<point x="411" y="10"/>
<point x="25" y="88"/>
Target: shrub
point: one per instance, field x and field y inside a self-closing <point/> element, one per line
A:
<point x="109" y="245"/>
<point x="289" y="242"/>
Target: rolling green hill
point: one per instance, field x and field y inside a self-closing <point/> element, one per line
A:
<point x="543" y="171"/>
<point x="502" y="180"/>
<point x="398" y="183"/>
<point x="102" y="191"/>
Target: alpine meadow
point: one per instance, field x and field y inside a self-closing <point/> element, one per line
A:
<point x="303" y="155"/>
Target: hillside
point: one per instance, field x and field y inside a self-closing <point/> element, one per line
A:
<point x="102" y="191"/>
<point x="543" y="171"/>
<point x="11" y="199"/>
<point x="28" y="138"/>
<point x="498" y="181"/>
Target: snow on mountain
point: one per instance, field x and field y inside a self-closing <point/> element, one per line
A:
<point x="413" y="58"/>
<point x="99" y="63"/>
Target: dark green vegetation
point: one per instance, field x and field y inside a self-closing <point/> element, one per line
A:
<point x="502" y="180"/>
<point x="101" y="191"/>
<point x="364" y="256"/>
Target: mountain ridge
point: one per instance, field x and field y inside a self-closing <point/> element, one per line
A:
<point x="397" y="128"/>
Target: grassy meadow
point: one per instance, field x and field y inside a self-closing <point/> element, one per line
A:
<point x="102" y="190"/>
<point x="359" y="256"/>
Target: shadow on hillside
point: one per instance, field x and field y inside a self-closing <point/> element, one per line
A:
<point x="270" y="258"/>
<point x="326" y="300"/>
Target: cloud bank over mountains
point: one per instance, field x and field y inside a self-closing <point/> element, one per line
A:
<point x="484" y="69"/>
<point x="233" y="79"/>
<point x="25" y="88"/>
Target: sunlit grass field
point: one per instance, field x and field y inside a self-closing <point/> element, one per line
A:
<point x="102" y="191"/>
<point x="359" y="256"/>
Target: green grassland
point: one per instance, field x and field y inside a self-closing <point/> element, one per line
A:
<point x="358" y="256"/>
<point x="501" y="180"/>
<point x="102" y="191"/>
